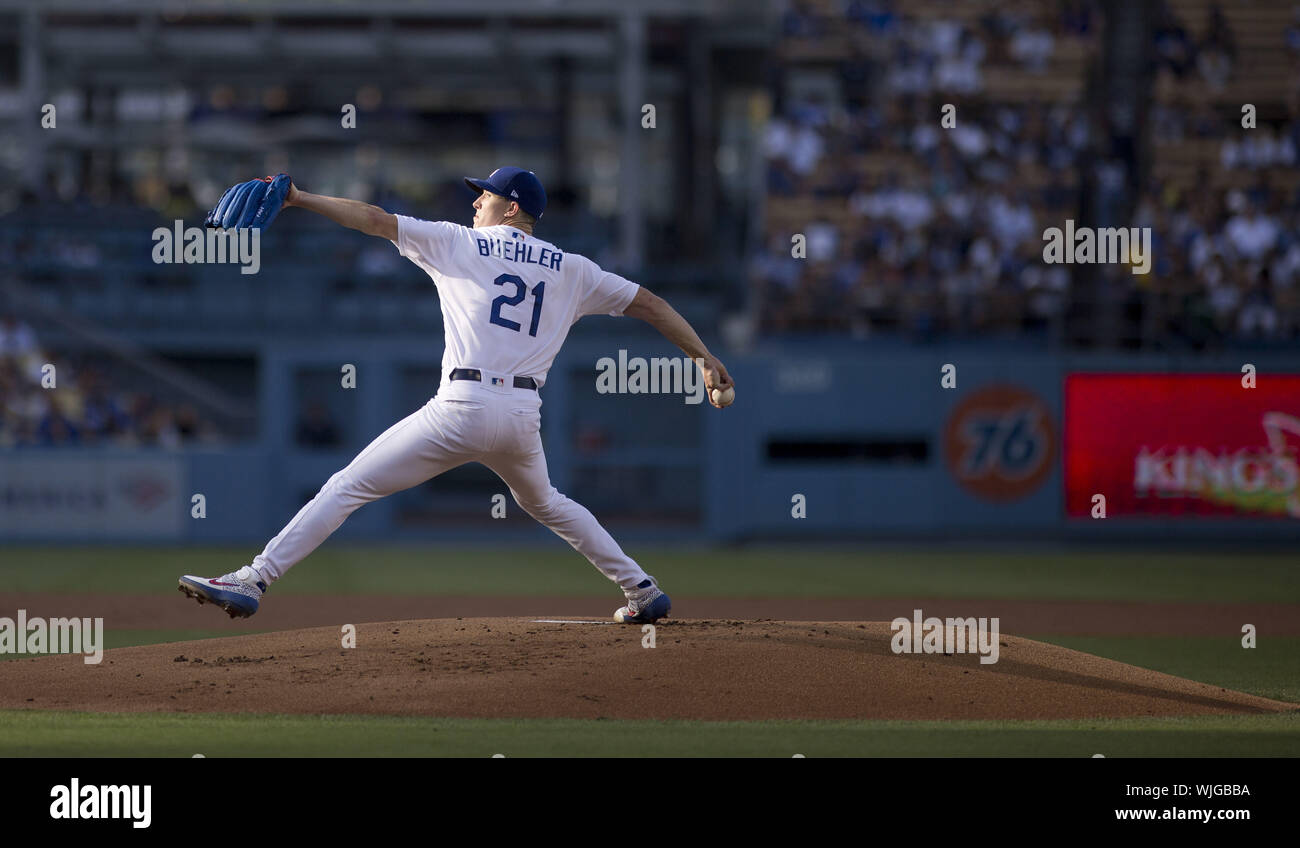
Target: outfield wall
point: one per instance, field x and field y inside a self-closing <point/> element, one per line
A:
<point x="825" y="441"/>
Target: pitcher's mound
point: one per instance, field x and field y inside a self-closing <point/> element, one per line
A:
<point x="512" y="667"/>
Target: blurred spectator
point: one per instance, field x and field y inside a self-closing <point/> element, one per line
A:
<point x="189" y="426"/>
<point x="1293" y="32"/>
<point x="1217" y="50"/>
<point x="102" y="415"/>
<point x="55" y="428"/>
<point x="1259" y="149"/>
<point x="1252" y="235"/>
<point x="1258" y="318"/>
<point x="1033" y="47"/>
<point x="158" y="428"/>
<point x="1174" y="48"/>
<point x="17" y="340"/>
<point x="942" y="225"/>
<point x="82" y="407"/>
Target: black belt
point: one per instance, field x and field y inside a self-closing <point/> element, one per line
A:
<point x="477" y="376"/>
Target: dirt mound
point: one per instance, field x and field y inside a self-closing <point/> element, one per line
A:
<point x="1018" y="615"/>
<point x="510" y="667"/>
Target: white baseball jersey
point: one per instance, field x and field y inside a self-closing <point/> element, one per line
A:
<point x="508" y="298"/>
<point x="508" y="301"/>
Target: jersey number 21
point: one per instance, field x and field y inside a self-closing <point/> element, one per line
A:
<point x="513" y="300"/>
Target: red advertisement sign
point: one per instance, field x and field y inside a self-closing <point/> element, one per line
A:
<point x="1184" y="444"/>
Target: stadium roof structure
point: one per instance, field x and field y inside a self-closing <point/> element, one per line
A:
<point x="417" y="47"/>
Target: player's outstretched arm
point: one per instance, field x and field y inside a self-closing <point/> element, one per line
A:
<point x="353" y="214"/>
<point x="658" y="313"/>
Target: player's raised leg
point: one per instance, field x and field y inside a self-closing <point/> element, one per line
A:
<point x="435" y="438"/>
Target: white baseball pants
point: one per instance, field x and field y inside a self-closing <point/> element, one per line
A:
<point x="467" y="422"/>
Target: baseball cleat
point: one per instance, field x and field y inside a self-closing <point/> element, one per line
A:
<point x="238" y="593"/>
<point x="646" y="604"/>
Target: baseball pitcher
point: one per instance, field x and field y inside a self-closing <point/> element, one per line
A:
<point x="508" y="300"/>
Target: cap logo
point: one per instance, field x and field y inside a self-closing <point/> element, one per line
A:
<point x="514" y="193"/>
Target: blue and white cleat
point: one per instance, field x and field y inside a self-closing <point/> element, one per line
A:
<point x="646" y="604"/>
<point x="237" y="593"/>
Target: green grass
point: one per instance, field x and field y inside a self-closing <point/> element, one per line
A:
<point x="1271" y="669"/>
<point x="768" y="572"/>
<point x="67" y="734"/>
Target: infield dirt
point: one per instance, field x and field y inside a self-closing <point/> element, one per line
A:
<point x="698" y="669"/>
<point x="169" y="610"/>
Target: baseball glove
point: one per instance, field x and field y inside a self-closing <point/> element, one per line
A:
<point x="252" y="204"/>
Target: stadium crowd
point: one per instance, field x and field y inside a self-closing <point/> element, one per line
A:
<point x="82" y="408"/>
<point x="934" y="229"/>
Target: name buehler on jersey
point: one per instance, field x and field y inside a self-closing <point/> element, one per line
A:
<point x="508" y="301"/>
<point x="528" y="290"/>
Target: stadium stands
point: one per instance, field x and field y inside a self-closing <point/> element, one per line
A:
<point x="913" y="226"/>
<point x="89" y="407"/>
<point x="914" y="229"/>
<point x="937" y="231"/>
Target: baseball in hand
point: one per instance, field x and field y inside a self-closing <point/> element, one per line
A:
<point x="724" y="397"/>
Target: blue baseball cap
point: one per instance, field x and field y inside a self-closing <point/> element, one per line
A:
<point x="515" y="184"/>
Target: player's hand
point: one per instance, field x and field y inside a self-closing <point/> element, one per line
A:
<point x="291" y="199"/>
<point x="715" y="377"/>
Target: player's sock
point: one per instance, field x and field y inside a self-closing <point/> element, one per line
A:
<point x="261" y="575"/>
<point x="644" y="589"/>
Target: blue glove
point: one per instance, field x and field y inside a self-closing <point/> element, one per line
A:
<point x="252" y="204"/>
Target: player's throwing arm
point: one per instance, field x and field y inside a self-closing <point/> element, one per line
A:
<point x="508" y="301"/>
